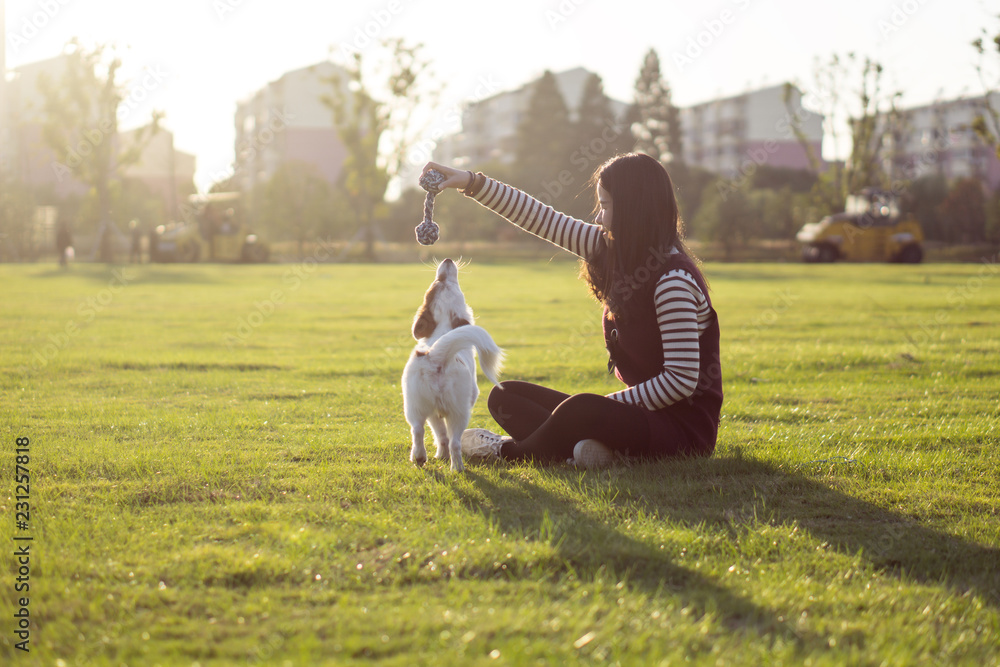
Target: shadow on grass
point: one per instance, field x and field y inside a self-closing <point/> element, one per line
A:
<point x="731" y="494"/>
<point x="739" y="492"/>
<point x="890" y="541"/>
<point x="589" y="547"/>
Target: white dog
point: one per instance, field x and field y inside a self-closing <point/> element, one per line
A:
<point x="439" y="381"/>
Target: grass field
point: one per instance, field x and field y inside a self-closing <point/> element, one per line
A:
<point x="219" y="476"/>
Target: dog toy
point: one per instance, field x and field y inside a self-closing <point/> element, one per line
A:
<point x="428" y="231"/>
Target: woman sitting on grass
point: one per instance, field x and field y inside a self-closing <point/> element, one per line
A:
<point x="660" y="329"/>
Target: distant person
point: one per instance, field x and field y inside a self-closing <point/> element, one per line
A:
<point x="135" y="250"/>
<point x="152" y="244"/>
<point x="228" y="224"/>
<point x="659" y="327"/>
<point x="64" y="243"/>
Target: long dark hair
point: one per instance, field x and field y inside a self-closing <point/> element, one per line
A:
<point x="645" y="225"/>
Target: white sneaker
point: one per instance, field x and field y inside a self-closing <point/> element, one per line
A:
<point x="592" y="454"/>
<point x="478" y="444"/>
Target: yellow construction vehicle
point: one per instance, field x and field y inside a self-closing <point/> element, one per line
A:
<point x="869" y="230"/>
<point x="214" y="230"/>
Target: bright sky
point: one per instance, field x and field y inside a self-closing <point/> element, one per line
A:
<point x="207" y="54"/>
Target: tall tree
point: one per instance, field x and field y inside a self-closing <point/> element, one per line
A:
<point x="869" y="115"/>
<point x="596" y="135"/>
<point x="81" y="128"/>
<point x="877" y="117"/>
<point x="965" y="210"/>
<point x="629" y="142"/>
<point x="17" y="206"/>
<point x="727" y="220"/>
<point x="987" y="123"/>
<point x="373" y="113"/>
<point x="296" y="203"/>
<point x="923" y="200"/>
<point x="544" y="139"/>
<point x="658" y="130"/>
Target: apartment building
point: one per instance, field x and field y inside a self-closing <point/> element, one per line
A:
<point x="731" y="134"/>
<point x="287" y="121"/>
<point x="27" y="157"/>
<point x="724" y="135"/>
<point x="938" y="138"/>
<point x="489" y="126"/>
<point x="166" y="171"/>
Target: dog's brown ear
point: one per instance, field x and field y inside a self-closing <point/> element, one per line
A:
<point x="424" y="322"/>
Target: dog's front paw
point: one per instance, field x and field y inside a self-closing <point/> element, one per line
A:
<point x="418" y="456"/>
<point x="456" y="457"/>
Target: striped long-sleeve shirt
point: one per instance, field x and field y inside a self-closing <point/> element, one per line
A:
<point x="682" y="311"/>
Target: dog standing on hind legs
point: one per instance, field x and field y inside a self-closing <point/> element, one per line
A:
<point x="439" y="380"/>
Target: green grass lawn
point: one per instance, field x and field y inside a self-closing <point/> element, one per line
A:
<point x="219" y="475"/>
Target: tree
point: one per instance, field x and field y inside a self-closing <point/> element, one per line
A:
<point x="296" y="203"/>
<point x="775" y="213"/>
<point x="628" y="142"/>
<point x="964" y="212"/>
<point x="596" y="135"/>
<point x="869" y="117"/>
<point x="658" y="131"/>
<point x="987" y="124"/>
<point x="776" y="178"/>
<point x="993" y="218"/>
<point x="691" y="184"/>
<point x="864" y="166"/>
<point x="81" y="128"/>
<point x="544" y="140"/>
<point x="17" y="206"/>
<point x="726" y="220"/>
<point x="923" y="200"/>
<point x="373" y="113"/>
<point x="597" y="131"/>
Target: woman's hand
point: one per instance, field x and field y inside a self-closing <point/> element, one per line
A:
<point x="453" y="178"/>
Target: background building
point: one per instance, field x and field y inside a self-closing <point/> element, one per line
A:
<point x="938" y="139"/>
<point x="287" y="121"/>
<point x="28" y="158"/>
<point x="489" y="126"/>
<point x="166" y="171"/>
<point x="721" y="135"/>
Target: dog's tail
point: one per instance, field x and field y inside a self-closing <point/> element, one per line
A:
<point x="490" y="356"/>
